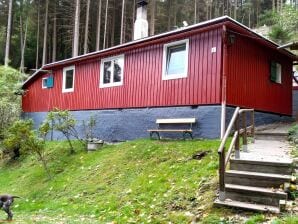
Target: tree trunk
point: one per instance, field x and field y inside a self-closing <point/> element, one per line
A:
<point x="273" y="5"/>
<point x="152" y="17"/>
<point x="23" y="45"/>
<point x="133" y="17"/>
<point x="76" y="37"/>
<point x="98" y="26"/>
<point x="45" y="35"/>
<point x="54" y="48"/>
<point x="37" y="36"/>
<point x="112" y="31"/>
<point x="195" y="12"/>
<point x="106" y="22"/>
<point x="8" y="35"/>
<point x="122" y="22"/>
<point x="87" y="27"/>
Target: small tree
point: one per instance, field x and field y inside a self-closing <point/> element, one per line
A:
<point x="36" y="146"/>
<point x="64" y="122"/>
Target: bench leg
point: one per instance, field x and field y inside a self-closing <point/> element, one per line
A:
<point x="156" y="133"/>
<point x="187" y="133"/>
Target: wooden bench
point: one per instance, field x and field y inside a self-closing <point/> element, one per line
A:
<point x="179" y="121"/>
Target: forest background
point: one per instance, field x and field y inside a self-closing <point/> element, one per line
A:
<point x="36" y="32"/>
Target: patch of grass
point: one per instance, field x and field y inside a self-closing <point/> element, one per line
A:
<point x="288" y="219"/>
<point x="259" y="218"/>
<point x="134" y="182"/>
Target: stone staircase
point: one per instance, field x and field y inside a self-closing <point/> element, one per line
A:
<point x="254" y="182"/>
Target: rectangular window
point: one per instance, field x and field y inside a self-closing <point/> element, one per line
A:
<point x="275" y="72"/>
<point x="111" y="72"/>
<point x="68" y="79"/>
<point x="175" y="60"/>
<point x="47" y="82"/>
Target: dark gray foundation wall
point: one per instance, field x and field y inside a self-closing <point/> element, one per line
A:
<point x="129" y="124"/>
<point x="261" y="118"/>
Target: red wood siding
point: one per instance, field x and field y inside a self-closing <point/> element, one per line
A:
<point x="143" y="85"/>
<point x="248" y="78"/>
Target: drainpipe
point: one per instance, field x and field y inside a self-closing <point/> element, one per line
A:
<point x="224" y="81"/>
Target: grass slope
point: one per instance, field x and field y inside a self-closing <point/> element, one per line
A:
<point x="134" y="182"/>
<point x="140" y="181"/>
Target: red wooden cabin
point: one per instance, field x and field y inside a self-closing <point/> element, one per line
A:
<point x="192" y="71"/>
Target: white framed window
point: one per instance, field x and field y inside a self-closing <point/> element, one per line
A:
<point x="275" y="72"/>
<point x="175" y="60"/>
<point x="44" y="83"/>
<point x="111" y="71"/>
<point x="68" y="79"/>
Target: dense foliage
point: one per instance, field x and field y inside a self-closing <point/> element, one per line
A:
<point x="10" y="100"/>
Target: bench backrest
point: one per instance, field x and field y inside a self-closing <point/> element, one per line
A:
<point x="176" y="121"/>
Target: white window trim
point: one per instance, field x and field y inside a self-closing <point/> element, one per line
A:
<point x="279" y="73"/>
<point x="42" y="86"/>
<point x="113" y="84"/>
<point x="164" y="64"/>
<point x="64" y="79"/>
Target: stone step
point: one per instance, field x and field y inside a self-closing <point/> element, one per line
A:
<point x="271" y="136"/>
<point x="247" y="206"/>
<point x="266" y="196"/>
<point x="256" y="179"/>
<point x="284" y="167"/>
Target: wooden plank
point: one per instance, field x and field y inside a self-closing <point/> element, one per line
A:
<point x="170" y="130"/>
<point x="176" y="121"/>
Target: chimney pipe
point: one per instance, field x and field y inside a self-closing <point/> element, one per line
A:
<point x="141" y="23"/>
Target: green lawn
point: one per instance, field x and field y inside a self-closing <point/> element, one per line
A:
<point x="140" y="181"/>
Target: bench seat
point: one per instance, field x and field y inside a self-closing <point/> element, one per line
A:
<point x="175" y="121"/>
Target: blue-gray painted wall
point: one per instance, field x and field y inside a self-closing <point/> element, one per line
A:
<point x="128" y="124"/>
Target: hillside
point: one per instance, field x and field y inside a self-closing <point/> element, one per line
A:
<point x="140" y="181"/>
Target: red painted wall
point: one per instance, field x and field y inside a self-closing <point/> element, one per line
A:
<point x="143" y="85"/>
<point x="248" y="78"/>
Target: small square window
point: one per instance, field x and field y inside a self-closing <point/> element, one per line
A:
<point x="175" y="60"/>
<point x="68" y="79"/>
<point x="47" y="82"/>
<point x="111" y="73"/>
<point x="275" y="72"/>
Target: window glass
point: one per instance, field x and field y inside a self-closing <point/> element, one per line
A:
<point x="176" y="59"/>
<point x="69" y="79"/>
<point x="118" y="66"/>
<point x="112" y="71"/>
<point x="107" y="72"/>
<point x="44" y="83"/>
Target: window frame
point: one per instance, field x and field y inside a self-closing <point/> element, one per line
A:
<point x="111" y="84"/>
<point x="64" y="90"/>
<point x="278" y="75"/>
<point x="166" y="76"/>
<point x="42" y="86"/>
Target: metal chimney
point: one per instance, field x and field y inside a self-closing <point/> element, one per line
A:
<point x="141" y="23"/>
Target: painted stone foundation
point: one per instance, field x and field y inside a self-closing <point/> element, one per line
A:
<point x="261" y="118"/>
<point x="129" y="124"/>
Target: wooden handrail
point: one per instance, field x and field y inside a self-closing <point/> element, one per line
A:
<point x="224" y="157"/>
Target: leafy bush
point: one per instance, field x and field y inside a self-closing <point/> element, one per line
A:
<point x="20" y="138"/>
<point x="10" y="103"/>
<point x="16" y="136"/>
<point x="293" y="133"/>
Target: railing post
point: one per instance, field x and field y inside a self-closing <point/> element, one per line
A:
<point x="252" y="119"/>
<point x="244" y="137"/>
<point x="222" y="195"/>
<point x="237" y="142"/>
